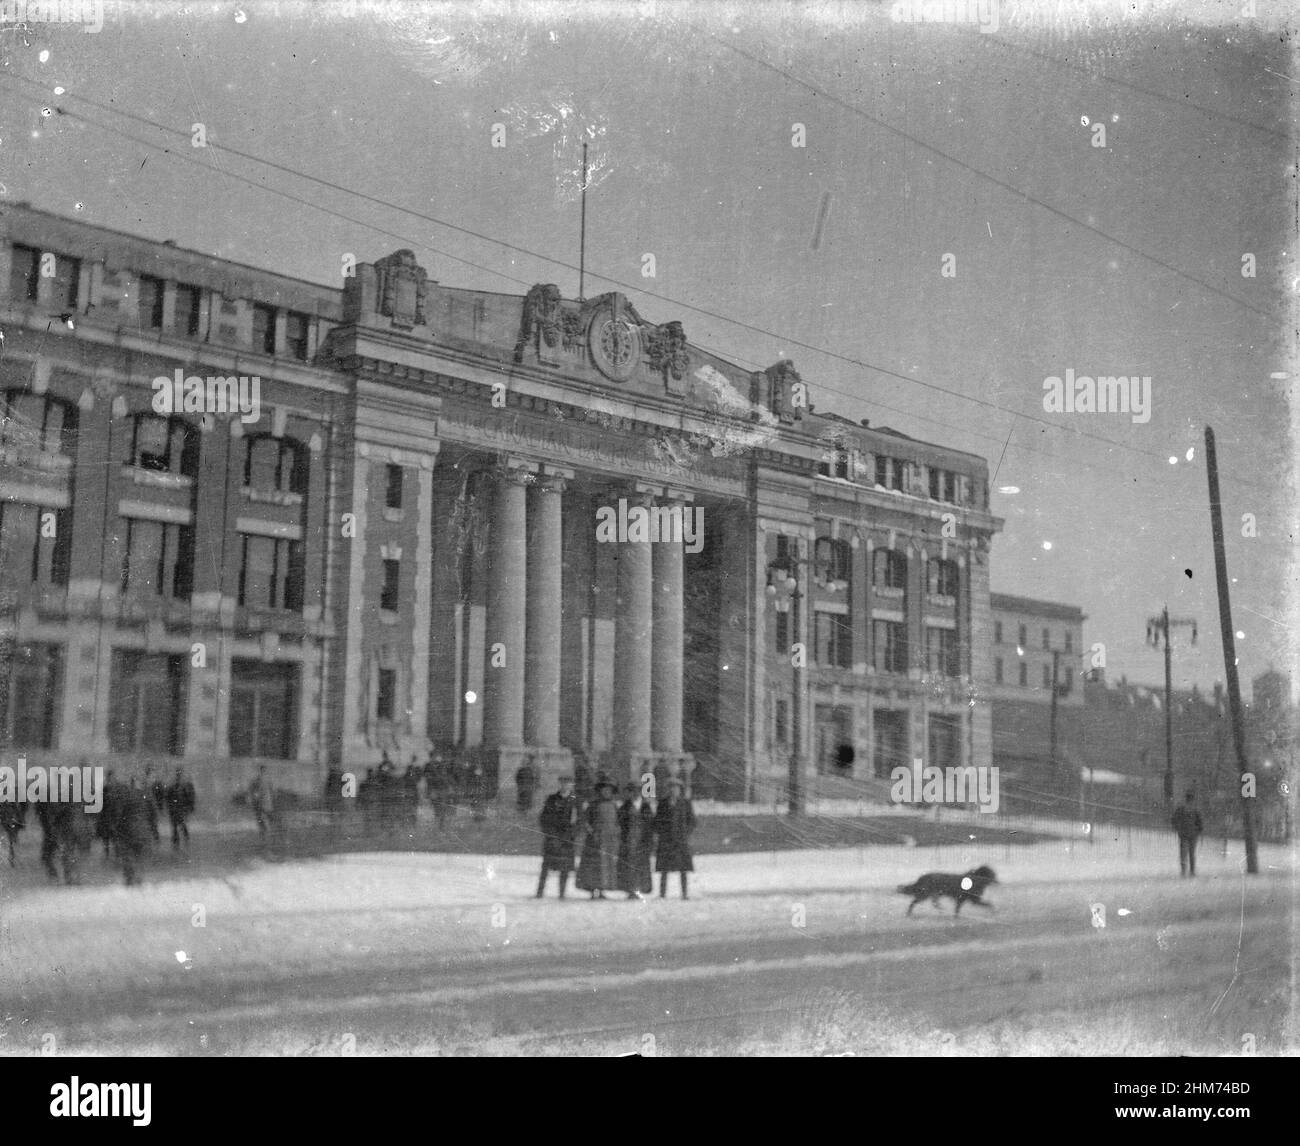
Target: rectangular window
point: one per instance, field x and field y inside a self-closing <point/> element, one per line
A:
<point x="263" y="709"/>
<point x="386" y="694"/>
<point x="945" y="742"/>
<point x="1047" y="639"/>
<point x="263" y="328"/>
<point x="271" y="574"/>
<point x="393" y="492"/>
<point x="941" y="651"/>
<point x="1024" y="675"/>
<point x="783" y="722"/>
<point x="782" y="550"/>
<point x="889" y="639"/>
<point x="936" y="483"/>
<point x="186" y="319"/>
<point x="67" y="276"/>
<point x="997" y="670"/>
<point x="783" y="634"/>
<point x="942" y="577"/>
<point x="388" y="591"/>
<point x="882" y="471"/>
<point x="146" y="702"/>
<point x="890" y="569"/>
<point x="24" y="273"/>
<point x="144" y="563"/>
<point x="295" y="335"/>
<point x="833" y="640"/>
<point x="949" y="486"/>
<point x="1069" y="641"/>
<point x="165" y="445"/>
<point x="151" y="302"/>
<point x="1047" y="676"/>
<point x="997" y="632"/>
<point x="1024" y="637"/>
<point x="890" y="748"/>
<point x="35" y="544"/>
<point x="31" y="684"/>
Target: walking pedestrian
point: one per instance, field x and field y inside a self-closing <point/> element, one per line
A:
<point x="1187" y="823"/>
<point x="13" y="819"/>
<point x="180" y="807"/>
<point x="437" y="782"/>
<point x="674" y="822"/>
<point x="156" y="792"/>
<point x="598" y="871"/>
<point x="133" y="829"/>
<point x="559" y="821"/>
<point x="636" y="821"/>
<point x="106" y="820"/>
<point x="261" y="798"/>
<point x="478" y="792"/>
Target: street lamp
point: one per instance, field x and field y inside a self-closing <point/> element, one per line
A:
<point x="784" y="573"/>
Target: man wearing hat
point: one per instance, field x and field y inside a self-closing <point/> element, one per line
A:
<point x="674" y="822"/>
<point x="559" y="820"/>
<point x="598" y="871"/>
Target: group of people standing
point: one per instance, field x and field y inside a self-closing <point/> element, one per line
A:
<point x="616" y="842"/>
<point x="126" y="823"/>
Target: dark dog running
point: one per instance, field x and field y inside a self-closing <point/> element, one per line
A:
<point x="934" y="885"/>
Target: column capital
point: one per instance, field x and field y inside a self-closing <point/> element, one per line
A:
<point x="552" y="483"/>
<point x="515" y="471"/>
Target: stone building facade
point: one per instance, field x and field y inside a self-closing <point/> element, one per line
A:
<point x="404" y="548"/>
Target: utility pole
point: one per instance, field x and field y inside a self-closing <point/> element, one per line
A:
<point x="1229" y="647"/>
<point x="1156" y="628"/>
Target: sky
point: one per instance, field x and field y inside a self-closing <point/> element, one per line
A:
<point x="958" y="145"/>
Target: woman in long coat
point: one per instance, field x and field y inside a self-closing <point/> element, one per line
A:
<point x="636" y="822"/>
<point x="674" y="822"/>
<point x="598" y="870"/>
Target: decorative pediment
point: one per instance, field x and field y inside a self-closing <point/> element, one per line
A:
<point x="403" y="287"/>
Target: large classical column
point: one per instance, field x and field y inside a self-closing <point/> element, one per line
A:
<point x="633" y="651"/>
<point x="505" y="636"/>
<point x="545" y="565"/>
<point x="666" y="691"/>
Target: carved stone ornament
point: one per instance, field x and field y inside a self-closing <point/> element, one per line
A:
<point x="783" y="378"/>
<point x="615" y="345"/>
<point x="666" y="350"/>
<point x="403" y="289"/>
<point x="541" y="320"/>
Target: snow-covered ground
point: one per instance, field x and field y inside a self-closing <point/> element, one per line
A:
<point x="423" y="952"/>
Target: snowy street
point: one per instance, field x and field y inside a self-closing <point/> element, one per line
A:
<point x="789" y="952"/>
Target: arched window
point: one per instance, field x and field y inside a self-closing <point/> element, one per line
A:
<point x="272" y="463"/>
<point x="39" y="422"/>
<point x="164" y="445"/>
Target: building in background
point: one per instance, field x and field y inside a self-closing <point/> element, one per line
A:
<point x="408" y="545"/>
<point x="1038" y="664"/>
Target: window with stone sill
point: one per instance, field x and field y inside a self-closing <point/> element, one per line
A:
<point x="164" y="445"/>
<point x="38" y="422"/>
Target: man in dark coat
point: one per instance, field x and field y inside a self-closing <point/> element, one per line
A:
<point x="674" y="822"/>
<point x="1187" y="823"/>
<point x="437" y="783"/>
<point x="13" y="819"/>
<point x="525" y="786"/>
<point x="156" y="790"/>
<point x="180" y="807"/>
<point x="636" y="822"/>
<point x="106" y="821"/>
<point x="598" y="871"/>
<point x="559" y="820"/>
<point x="134" y="829"/>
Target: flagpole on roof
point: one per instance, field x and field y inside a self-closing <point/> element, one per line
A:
<point x="582" y="234"/>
